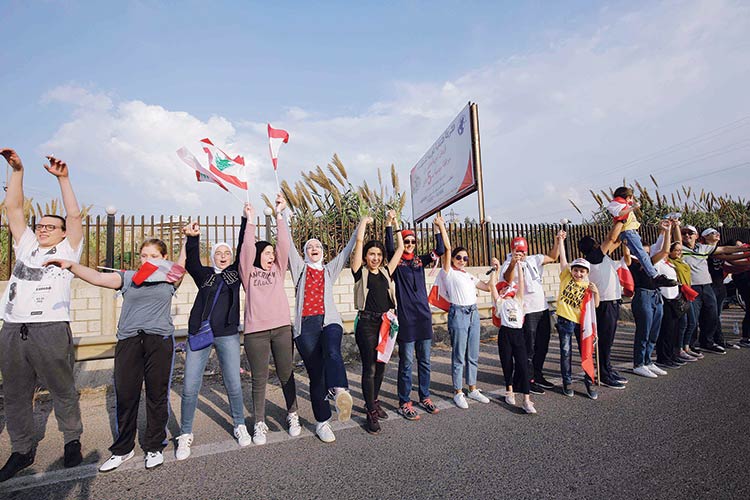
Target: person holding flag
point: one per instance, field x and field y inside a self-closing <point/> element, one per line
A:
<point x="576" y="315"/>
<point x="145" y="347"/>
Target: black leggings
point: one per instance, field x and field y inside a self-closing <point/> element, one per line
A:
<point x="512" y="349"/>
<point x="367" y="336"/>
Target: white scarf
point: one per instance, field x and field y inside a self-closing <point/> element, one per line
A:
<point x="215" y="247"/>
<point x="318" y="265"/>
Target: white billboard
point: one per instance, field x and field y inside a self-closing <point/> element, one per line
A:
<point x="446" y="172"/>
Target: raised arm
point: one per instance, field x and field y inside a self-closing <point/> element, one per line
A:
<point x="105" y="280"/>
<point x="73" y="218"/>
<point x="396" y="258"/>
<point x="356" y="260"/>
<point x="439" y="245"/>
<point x="561" y="244"/>
<point x="521" y="284"/>
<point x="14" y="196"/>
<point x="553" y="254"/>
<point x="390" y="248"/>
<point x="247" y="253"/>
<point x="612" y="241"/>
<point x="666" y="234"/>
<point x="240" y="239"/>
<point x="493" y="283"/>
<point x="445" y="259"/>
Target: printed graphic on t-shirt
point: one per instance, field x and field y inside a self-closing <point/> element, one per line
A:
<point x="261" y="277"/>
<point x="38" y="278"/>
<point x="572" y="294"/>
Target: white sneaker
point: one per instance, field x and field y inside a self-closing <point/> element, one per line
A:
<point x="154" y="459"/>
<point x="510" y="398"/>
<point x="655" y="369"/>
<point x="460" y="400"/>
<point x="528" y="407"/>
<point x="259" y="433"/>
<point x="242" y="436"/>
<point x="324" y="432"/>
<point x="115" y="461"/>
<point x="183" y="446"/>
<point x="477" y="395"/>
<point x="644" y="372"/>
<point x="343" y="401"/>
<point x="293" y="421"/>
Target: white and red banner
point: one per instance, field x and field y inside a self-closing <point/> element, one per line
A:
<point x="276" y="137"/>
<point x="226" y="168"/>
<point x="588" y="334"/>
<point x="201" y="174"/>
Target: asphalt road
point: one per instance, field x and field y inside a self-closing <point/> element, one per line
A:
<point x="684" y="435"/>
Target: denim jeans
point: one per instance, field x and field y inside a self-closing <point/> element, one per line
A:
<point x="691" y="326"/>
<point x="228" y="352"/>
<point x="632" y="239"/>
<point x="720" y="291"/>
<point x="648" y="309"/>
<point x="463" y="327"/>
<point x="566" y="329"/>
<point x="682" y="327"/>
<point x="320" y="349"/>
<point x="405" y="362"/>
<point x="706" y="314"/>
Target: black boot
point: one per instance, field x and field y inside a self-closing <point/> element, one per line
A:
<point x="17" y="462"/>
<point x="73" y="455"/>
<point x="373" y="426"/>
<point x="382" y="415"/>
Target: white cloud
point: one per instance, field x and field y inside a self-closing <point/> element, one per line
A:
<point x="554" y="122"/>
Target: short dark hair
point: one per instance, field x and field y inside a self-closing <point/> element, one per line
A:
<point x="156" y="242"/>
<point x="586" y="244"/>
<point x="458" y="250"/>
<point x="61" y="218"/>
<point x="623" y="192"/>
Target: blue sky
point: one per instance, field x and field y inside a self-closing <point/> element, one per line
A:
<point x="571" y="94"/>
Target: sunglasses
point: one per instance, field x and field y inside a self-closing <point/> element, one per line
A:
<point x="465" y="258"/>
<point x="410" y="242"/>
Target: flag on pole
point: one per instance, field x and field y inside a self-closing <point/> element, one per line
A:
<point x="201" y="174"/>
<point x="588" y="333"/>
<point x="231" y="170"/>
<point x="276" y="137"/>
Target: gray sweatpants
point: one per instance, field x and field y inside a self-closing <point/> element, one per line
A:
<point x="258" y="349"/>
<point x="45" y="351"/>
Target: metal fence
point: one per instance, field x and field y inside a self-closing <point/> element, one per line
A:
<point x="481" y="241"/>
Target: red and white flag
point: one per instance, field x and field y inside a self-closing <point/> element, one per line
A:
<point x="276" y="137"/>
<point x="438" y="296"/>
<point x="588" y="334"/>
<point x="231" y="170"/>
<point x="155" y="271"/>
<point x="201" y="174"/>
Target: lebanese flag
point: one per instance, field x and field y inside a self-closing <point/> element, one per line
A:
<point x="438" y="297"/>
<point x="616" y="206"/>
<point x="387" y="337"/>
<point x="588" y="334"/>
<point x="276" y="137"/>
<point x="201" y="174"/>
<point x="626" y="279"/>
<point x="231" y="170"/>
<point x="155" y="271"/>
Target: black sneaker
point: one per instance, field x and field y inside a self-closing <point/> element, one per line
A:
<point x="713" y="349"/>
<point x="16" y="463"/>
<point x="729" y="345"/>
<point x="535" y="388"/>
<point x="567" y="391"/>
<point x="679" y="361"/>
<point x="744" y="343"/>
<point x="613" y="384"/>
<point x="373" y="426"/>
<point x="73" y="455"/>
<point x="619" y="378"/>
<point x="591" y="390"/>
<point x="543" y="382"/>
<point x="663" y="281"/>
<point x="382" y="415"/>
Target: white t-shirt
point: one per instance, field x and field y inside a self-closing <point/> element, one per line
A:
<point x="461" y="287"/>
<point x="604" y="276"/>
<point x="510" y="311"/>
<point x="668" y="270"/>
<point x="697" y="259"/>
<point x="36" y="294"/>
<point x="534" y="299"/>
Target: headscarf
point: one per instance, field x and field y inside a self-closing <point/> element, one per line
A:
<point x="404" y="234"/>
<point x="214" y="248"/>
<point x="683" y="270"/>
<point x="318" y="266"/>
<point x="259" y="247"/>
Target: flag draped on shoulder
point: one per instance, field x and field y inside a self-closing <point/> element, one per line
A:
<point x="276" y="137"/>
<point x="201" y="173"/>
<point x="438" y="296"/>
<point x="616" y="206"/>
<point x="231" y="170"/>
<point x="588" y="334"/>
